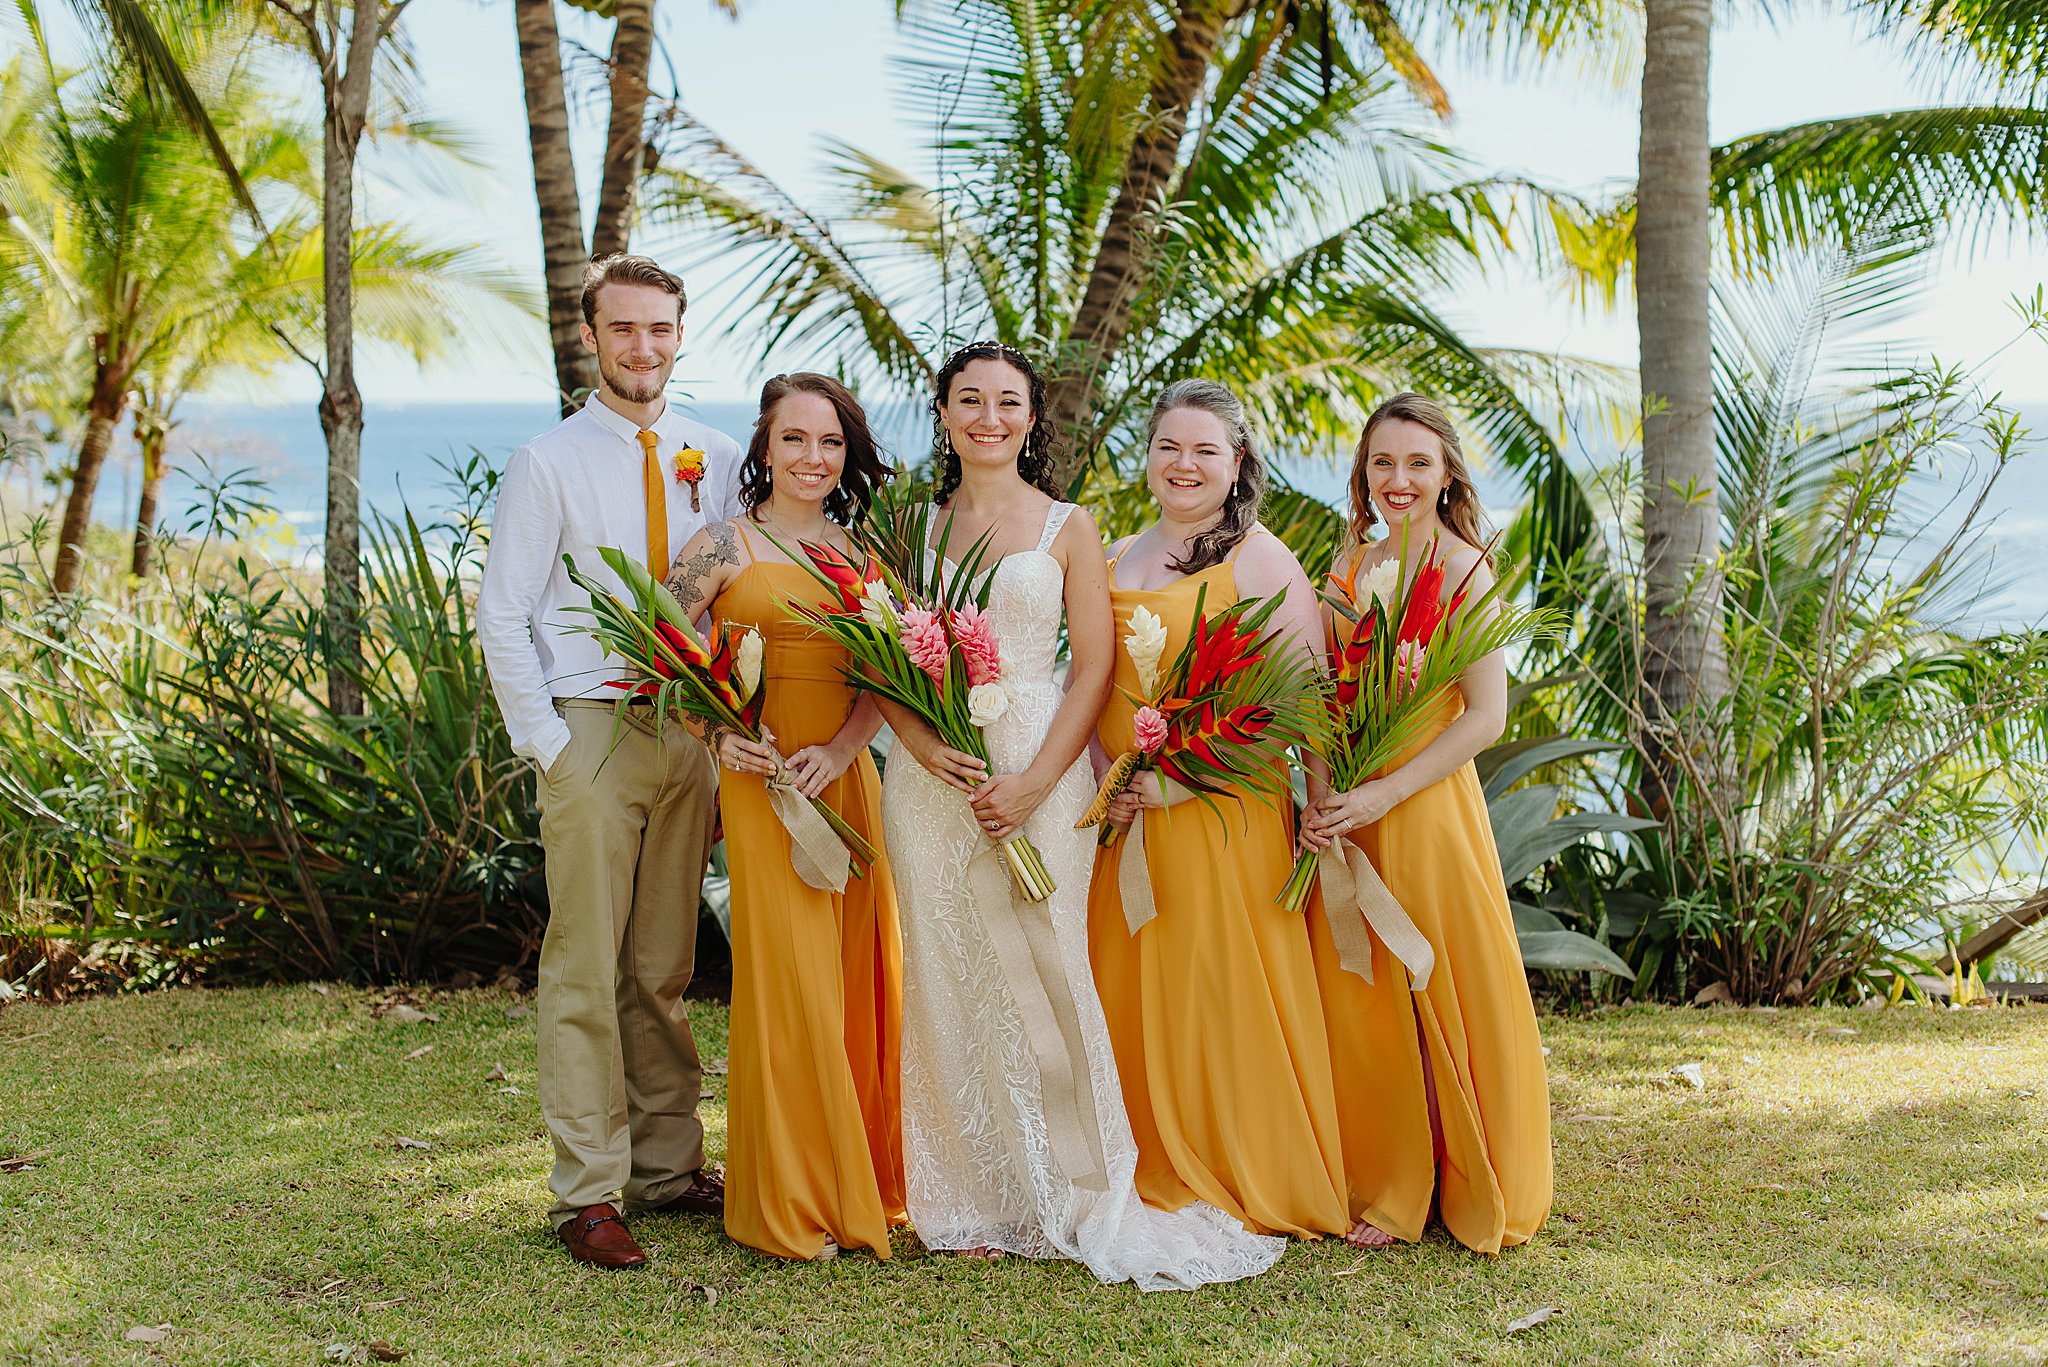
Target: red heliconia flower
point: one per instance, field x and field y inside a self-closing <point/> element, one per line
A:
<point x="646" y="688"/>
<point x="1221" y="650"/>
<point x="1425" y="604"/>
<point x="687" y="649"/>
<point x="1242" y="725"/>
<point x="721" y="667"/>
<point x="846" y="576"/>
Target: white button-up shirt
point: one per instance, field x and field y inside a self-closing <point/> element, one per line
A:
<point x="568" y="492"/>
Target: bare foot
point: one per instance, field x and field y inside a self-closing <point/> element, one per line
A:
<point x="827" y="1253"/>
<point x="1365" y="1234"/>
<point x="982" y="1253"/>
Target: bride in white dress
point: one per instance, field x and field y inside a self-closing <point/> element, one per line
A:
<point x="990" y="1146"/>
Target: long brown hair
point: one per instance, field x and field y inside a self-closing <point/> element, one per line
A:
<point x="1241" y="506"/>
<point x="864" y="470"/>
<point x="1457" y="507"/>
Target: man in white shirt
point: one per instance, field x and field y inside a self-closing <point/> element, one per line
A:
<point x="626" y="830"/>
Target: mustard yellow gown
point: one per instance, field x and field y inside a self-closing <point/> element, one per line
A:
<point x="813" y="1114"/>
<point x="1213" y="1008"/>
<point x="1492" y="1181"/>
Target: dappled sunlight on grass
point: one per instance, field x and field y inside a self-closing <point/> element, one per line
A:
<point x="228" y="1162"/>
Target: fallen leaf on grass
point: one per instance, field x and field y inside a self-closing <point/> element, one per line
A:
<point x="384" y="1352"/>
<point x="384" y="1305"/>
<point x="322" y="988"/>
<point x="1689" y="1073"/>
<point x="339" y="1352"/>
<point x="508" y="1091"/>
<point x="1587" y="1117"/>
<point x="710" y="1295"/>
<point x="408" y="1143"/>
<point x="714" y="1067"/>
<point x="148" y="1333"/>
<point x="2041" y="1217"/>
<point x="1839" y="1031"/>
<point x="420" y="1052"/>
<point x="1712" y="993"/>
<point x="515" y="1012"/>
<point x="22" y="1163"/>
<point x="1533" y="1318"/>
<point x="405" y="1013"/>
<point x="497" y="1073"/>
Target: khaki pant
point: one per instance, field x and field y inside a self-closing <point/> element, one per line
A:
<point x="626" y="828"/>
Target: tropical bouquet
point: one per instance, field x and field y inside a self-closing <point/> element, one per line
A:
<point x="915" y="626"/>
<point x="1401" y="644"/>
<point x="718" y="683"/>
<point x="1222" y="715"/>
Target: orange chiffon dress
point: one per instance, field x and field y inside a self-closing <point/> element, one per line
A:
<point x="1492" y="1180"/>
<point x="1213" y="1009"/>
<point x="814" y="1145"/>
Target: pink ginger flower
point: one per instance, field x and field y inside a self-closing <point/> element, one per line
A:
<point x="978" y="648"/>
<point x="1408" y="663"/>
<point x="925" y="642"/>
<point x="1150" y="724"/>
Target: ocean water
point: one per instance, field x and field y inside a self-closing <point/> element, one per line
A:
<point x="406" y="449"/>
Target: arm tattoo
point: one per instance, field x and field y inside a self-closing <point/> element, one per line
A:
<point x="686" y="582"/>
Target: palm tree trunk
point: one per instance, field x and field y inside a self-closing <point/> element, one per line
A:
<point x="153" y="437"/>
<point x="1685" y="662"/>
<point x="1123" y="260"/>
<point x="341" y="402"/>
<point x="554" y="185"/>
<point x="625" y="147"/>
<point x="103" y="413"/>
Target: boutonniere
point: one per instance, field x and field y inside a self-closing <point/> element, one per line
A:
<point x="689" y="467"/>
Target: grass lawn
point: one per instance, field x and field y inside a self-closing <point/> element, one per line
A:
<point x="1850" y="1186"/>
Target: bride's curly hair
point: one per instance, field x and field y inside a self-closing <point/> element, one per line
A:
<point x="1034" y="462"/>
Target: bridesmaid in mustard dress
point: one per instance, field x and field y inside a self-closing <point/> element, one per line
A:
<point x="814" y="1157"/>
<point x="1213" y="1007"/>
<point x="1442" y="1092"/>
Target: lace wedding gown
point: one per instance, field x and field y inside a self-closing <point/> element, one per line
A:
<point x="979" y="1167"/>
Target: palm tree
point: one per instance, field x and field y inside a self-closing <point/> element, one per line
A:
<point x="554" y="167"/>
<point x="343" y="43"/>
<point x="114" y="212"/>
<point x="1685" y="666"/>
<point x="1311" y="225"/>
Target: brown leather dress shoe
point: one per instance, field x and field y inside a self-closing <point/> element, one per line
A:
<point x="597" y="1236"/>
<point x="704" y="1196"/>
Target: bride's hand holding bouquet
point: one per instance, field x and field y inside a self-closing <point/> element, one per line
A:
<point x="916" y="627"/>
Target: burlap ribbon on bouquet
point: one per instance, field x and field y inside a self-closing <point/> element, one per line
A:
<point x="1133" y="879"/>
<point x="1028" y="955"/>
<point x="816" y="852"/>
<point x="1360" y="906"/>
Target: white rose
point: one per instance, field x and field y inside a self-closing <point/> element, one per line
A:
<point x="986" y="702"/>
<point x="1146" y="641"/>
<point x="1382" y="581"/>
<point x="747" y="663"/>
<point x="875" y="606"/>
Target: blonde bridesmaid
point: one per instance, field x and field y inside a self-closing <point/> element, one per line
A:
<point x="1213" y="1006"/>
<point x="1442" y="1092"/>
<point x="814" y="1159"/>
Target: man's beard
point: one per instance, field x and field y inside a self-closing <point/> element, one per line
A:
<point x="629" y="386"/>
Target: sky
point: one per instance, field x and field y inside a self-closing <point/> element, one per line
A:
<point x="790" y="71"/>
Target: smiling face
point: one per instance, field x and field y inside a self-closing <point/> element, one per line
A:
<point x="987" y="413"/>
<point x="806" y="448"/>
<point x="1191" y="465"/>
<point x="635" y="335"/>
<point x="1405" y="471"/>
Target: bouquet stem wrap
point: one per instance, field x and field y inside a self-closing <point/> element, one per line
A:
<point x="1359" y="905"/>
<point x="1133" y="879"/>
<point x="817" y="850"/>
<point x="1021" y="934"/>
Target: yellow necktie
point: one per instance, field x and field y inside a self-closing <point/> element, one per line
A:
<point x="657" y="509"/>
